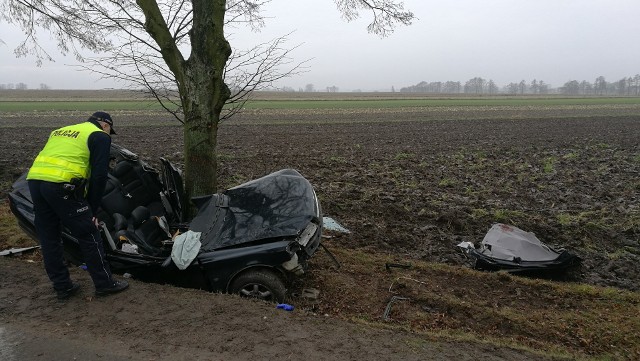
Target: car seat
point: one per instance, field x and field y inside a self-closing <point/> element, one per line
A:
<point x="131" y="185"/>
<point x="143" y="230"/>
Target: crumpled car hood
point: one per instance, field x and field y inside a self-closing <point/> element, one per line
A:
<point x="278" y="205"/>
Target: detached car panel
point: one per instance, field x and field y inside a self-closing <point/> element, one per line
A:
<point x="254" y="237"/>
<point x="508" y="248"/>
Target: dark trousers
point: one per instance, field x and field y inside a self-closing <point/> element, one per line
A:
<point x="55" y="207"/>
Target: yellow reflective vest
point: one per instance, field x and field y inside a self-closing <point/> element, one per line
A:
<point x="65" y="156"/>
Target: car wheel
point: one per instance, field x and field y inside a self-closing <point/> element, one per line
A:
<point x="260" y="284"/>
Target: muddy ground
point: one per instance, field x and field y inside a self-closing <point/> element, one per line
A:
<point x="154" y="322"/>
<point x="411" y="183"/>
<point x="417" y="188"/>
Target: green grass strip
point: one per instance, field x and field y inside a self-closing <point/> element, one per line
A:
<point x="409" y="103"/>
<point x="23" y="106"/>
<point x="26" y="106"/>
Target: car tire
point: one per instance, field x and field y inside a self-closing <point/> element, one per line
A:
<point x="262" y="284"/>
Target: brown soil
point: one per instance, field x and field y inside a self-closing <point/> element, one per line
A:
<point x="154" y="322"/>
<point x="406" y="183"/>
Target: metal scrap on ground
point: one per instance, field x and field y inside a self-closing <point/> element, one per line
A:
<point x="332" y="225"/>
<point x="15" y="251"/>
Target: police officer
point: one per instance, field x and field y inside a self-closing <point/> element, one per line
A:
<point x="66" y="182"/>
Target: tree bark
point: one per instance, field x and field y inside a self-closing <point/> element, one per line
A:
<point x="203" y="95"/>
<point x="200" y="83"/>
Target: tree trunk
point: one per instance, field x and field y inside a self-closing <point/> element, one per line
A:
<point x="200" y="81"/>
<point x="203" y="94"/>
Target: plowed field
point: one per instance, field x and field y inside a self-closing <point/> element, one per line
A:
<point x="408" y="181"/>
<point x="411" y="183"/>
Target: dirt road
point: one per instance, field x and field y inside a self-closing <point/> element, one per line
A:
<point x="155" y="322"/>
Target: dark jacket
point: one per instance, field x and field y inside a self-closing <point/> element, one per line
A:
<point x="99" y="147"/>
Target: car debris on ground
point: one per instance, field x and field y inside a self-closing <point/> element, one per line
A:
<point x="17" y="251"/>
<point x="511" y="249"/>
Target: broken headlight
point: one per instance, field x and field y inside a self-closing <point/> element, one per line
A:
<point x="307" y="234"/>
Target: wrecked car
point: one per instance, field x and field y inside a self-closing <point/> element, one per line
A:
<point x="508" y="248"/>
<point x="252" y="239"/>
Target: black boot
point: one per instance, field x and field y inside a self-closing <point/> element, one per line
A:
<point x="67" y="292"/>
<point x="118" y="286"/>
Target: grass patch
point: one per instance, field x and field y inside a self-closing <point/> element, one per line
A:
<point x="479" y="213"/>
<point x="338" y="159"/>
<point x="549" y="165"/>
<point x="447" y="182"/>
<point x="461" y="305"/>
<point x="404" y="155"/>
<point x="507" y="216"/>
<point x="85" y="106"/>
<point x="11" y="236"/>
<point x="571" y="155"/>
<point x="565" y="219"/>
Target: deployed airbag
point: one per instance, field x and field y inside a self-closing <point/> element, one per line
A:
<point x="185" y="249"/>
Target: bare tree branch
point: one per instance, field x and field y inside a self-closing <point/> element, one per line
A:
<point x="385" y="13"/>
<point x="258" y="69"/>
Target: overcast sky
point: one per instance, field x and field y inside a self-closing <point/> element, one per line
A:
<point x="503" y="40"/>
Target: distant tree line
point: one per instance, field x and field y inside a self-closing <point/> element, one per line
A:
<point x="627" y="86"/>
<point x="20" y="86"/>
<point x="479" y="86"/>
<point x="309" y="88"/>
